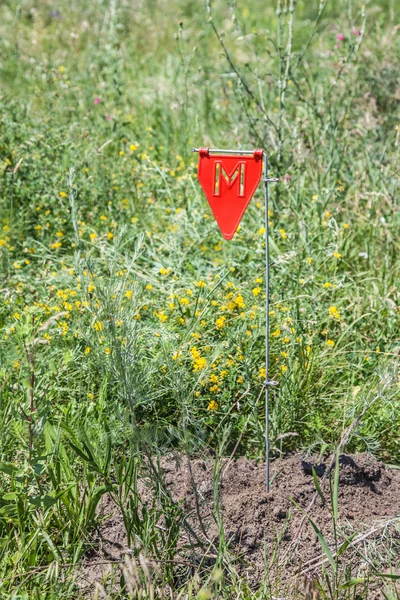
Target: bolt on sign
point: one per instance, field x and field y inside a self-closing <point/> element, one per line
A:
<point x="229" y="183"/>
<point x="229" y="179"/>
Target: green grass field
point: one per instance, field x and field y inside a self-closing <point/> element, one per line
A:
<point x="127" y="322"/>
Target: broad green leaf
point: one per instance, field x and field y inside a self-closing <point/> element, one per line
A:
<point x="9" y="468"/>
<point x="10" y="496"/>
<point x="44" y="501"/>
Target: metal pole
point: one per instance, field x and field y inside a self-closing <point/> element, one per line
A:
<point x="266" y="322"/>
<point x="224" y="151"/>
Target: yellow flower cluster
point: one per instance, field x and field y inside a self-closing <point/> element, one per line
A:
<point x="220" y="322"/>
<point x="334" y="313"/>
<point x="161" y="315"/>
<point x="212" y="405"/>
<point x="199" y="362"/>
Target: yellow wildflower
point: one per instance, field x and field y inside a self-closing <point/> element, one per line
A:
<point x="334" y="313"/>
<point x="63" y="326"/>
<point x="212" y="405"/>
<point x="240" y="303"/>
<point x="161" y="315"/>
<point x="199" y="362"/>
<point x="220" y="322"/>
<point x="330" y="343"/>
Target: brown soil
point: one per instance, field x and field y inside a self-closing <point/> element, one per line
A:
<point x="369" y="496"/>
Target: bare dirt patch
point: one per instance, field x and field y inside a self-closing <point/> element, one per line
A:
<point x="254" y="521"/>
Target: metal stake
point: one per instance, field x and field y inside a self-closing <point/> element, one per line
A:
<point x="266" y="323"/>
<point x="268" y="382"/>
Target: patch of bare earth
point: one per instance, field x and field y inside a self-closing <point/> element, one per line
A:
<point x="254" y="521"/>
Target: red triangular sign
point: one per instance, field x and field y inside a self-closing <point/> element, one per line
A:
<point x="229" y="182"/>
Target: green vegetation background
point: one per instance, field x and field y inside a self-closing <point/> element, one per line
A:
<point x="125" y="316"/>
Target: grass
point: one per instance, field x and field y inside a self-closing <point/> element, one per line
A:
<point x="126" y="320"/>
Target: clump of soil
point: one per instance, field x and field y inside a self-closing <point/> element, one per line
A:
<point x="254" y="521"/>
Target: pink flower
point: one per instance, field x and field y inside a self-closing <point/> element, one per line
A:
<point x="97" y="100"/>
<point x="356" y="32"/>
<point x="109" y="117"/>
<point x="287" y="177"/>
<point x="340" y="37"/>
